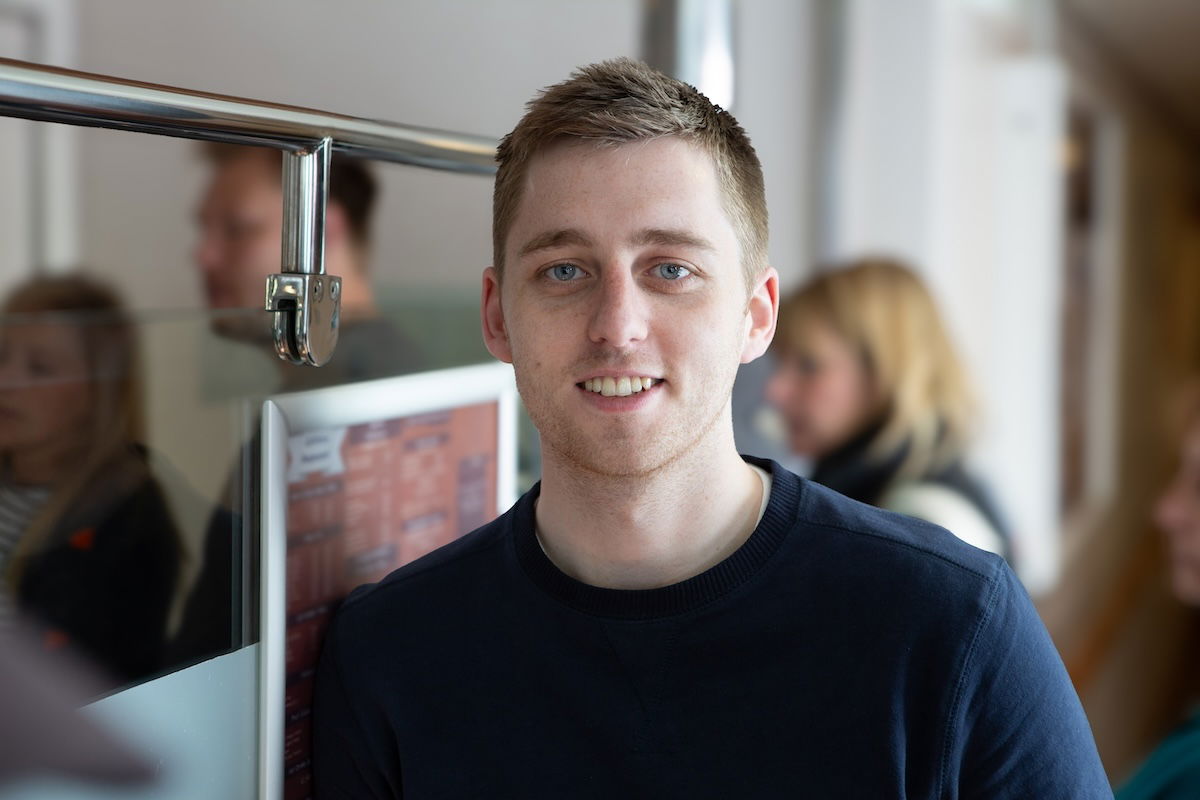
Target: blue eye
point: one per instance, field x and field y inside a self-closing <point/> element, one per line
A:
<point x="672" y="272"/>
<point x="564" y="272"/>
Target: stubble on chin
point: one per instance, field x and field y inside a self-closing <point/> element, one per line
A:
<point x="617" y="457"/>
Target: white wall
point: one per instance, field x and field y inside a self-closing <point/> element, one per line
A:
<point x="774" y="94"/>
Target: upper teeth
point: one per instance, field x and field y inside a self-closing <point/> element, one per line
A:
<point x="618" y="387"/>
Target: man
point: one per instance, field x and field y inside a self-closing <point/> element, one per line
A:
<point x="661" y="617"/>
<point x="240" y="224"/>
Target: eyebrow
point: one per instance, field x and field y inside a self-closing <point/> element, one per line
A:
<point x="648" y="236"/>
<point x="552" y="239"/>
<point x="671" y="238"/>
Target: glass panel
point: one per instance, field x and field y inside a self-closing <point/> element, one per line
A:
<point x="130" y="488"/>
<point x="129" y="402"/>
<point x="113" y="463"/>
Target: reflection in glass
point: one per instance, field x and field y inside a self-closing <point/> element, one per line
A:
<point x="89" y="549"/>
<point x="238" y="235"/>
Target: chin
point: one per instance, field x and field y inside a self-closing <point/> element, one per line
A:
<point x="624" y="469"/>
<point x="616" y="457"/>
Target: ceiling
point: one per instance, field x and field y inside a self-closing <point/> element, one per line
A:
<point x="1156" y="40"/>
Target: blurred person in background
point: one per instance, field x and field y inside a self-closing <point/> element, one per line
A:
<point x="240" y="228"/>
<point x="240" y="232"/>
<point x="1172" y="772"/>
<point x="89" y="550"/>
<point x="870" y="388"/>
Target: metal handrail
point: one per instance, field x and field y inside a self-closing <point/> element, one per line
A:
<point x="305" y="302"/>
<point x="50" y="94"/>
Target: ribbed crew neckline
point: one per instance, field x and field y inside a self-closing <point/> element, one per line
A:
<point x="677" y="598"/>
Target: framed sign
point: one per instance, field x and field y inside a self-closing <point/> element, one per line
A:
<point x="359" y="480"/>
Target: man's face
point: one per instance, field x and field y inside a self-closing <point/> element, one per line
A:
<point x="240" y="223"/>
<point x="623" y="308"/>
<point x="46" y="390"/>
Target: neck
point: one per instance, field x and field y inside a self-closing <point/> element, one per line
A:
<point x="648" y="531"/>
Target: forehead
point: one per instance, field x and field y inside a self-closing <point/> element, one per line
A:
<point x="667" y="158"/>
<point x="247" y="177"/>
<point x="665" y="182"/>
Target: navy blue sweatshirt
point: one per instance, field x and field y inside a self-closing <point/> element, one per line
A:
<point x="841" y="652"/>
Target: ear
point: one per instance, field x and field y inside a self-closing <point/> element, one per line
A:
<point x="761" y="313"/>
<point x="495" y="334"/>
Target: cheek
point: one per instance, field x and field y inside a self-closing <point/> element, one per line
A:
<point x="265" y="257"/>
<point x="780" y="390"/>
<point x="831" y="395"/>
<point x="854" y="395"/>
<point x="66" y="406"/>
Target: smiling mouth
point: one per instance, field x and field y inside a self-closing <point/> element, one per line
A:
<point x="619" y="387"/>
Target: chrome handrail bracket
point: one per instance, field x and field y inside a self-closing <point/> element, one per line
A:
<point x="305" y="301"/>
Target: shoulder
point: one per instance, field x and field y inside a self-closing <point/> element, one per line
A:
<point x="947" y="507"/>
<point x="847" y="528"/>
<point x="874" y="564"/>
<point x="904" y="579"/>
<point x="1010" y="722"/>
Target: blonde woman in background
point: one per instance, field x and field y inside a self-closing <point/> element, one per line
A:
<point x="870" y="388"/>
<point x="89" y="551"/>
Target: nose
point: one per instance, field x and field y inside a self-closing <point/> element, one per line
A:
<point x="619" y="318"/>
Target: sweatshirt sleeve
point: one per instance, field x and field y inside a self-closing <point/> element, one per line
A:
<point x="351" y="758"/>
<point x="1016" y="727"/>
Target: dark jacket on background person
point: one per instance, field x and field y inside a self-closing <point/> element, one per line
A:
<point x="104" y="581"/>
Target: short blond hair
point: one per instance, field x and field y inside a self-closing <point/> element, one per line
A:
<point x="621" y="101"/>
<point x="883" y="310"/>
